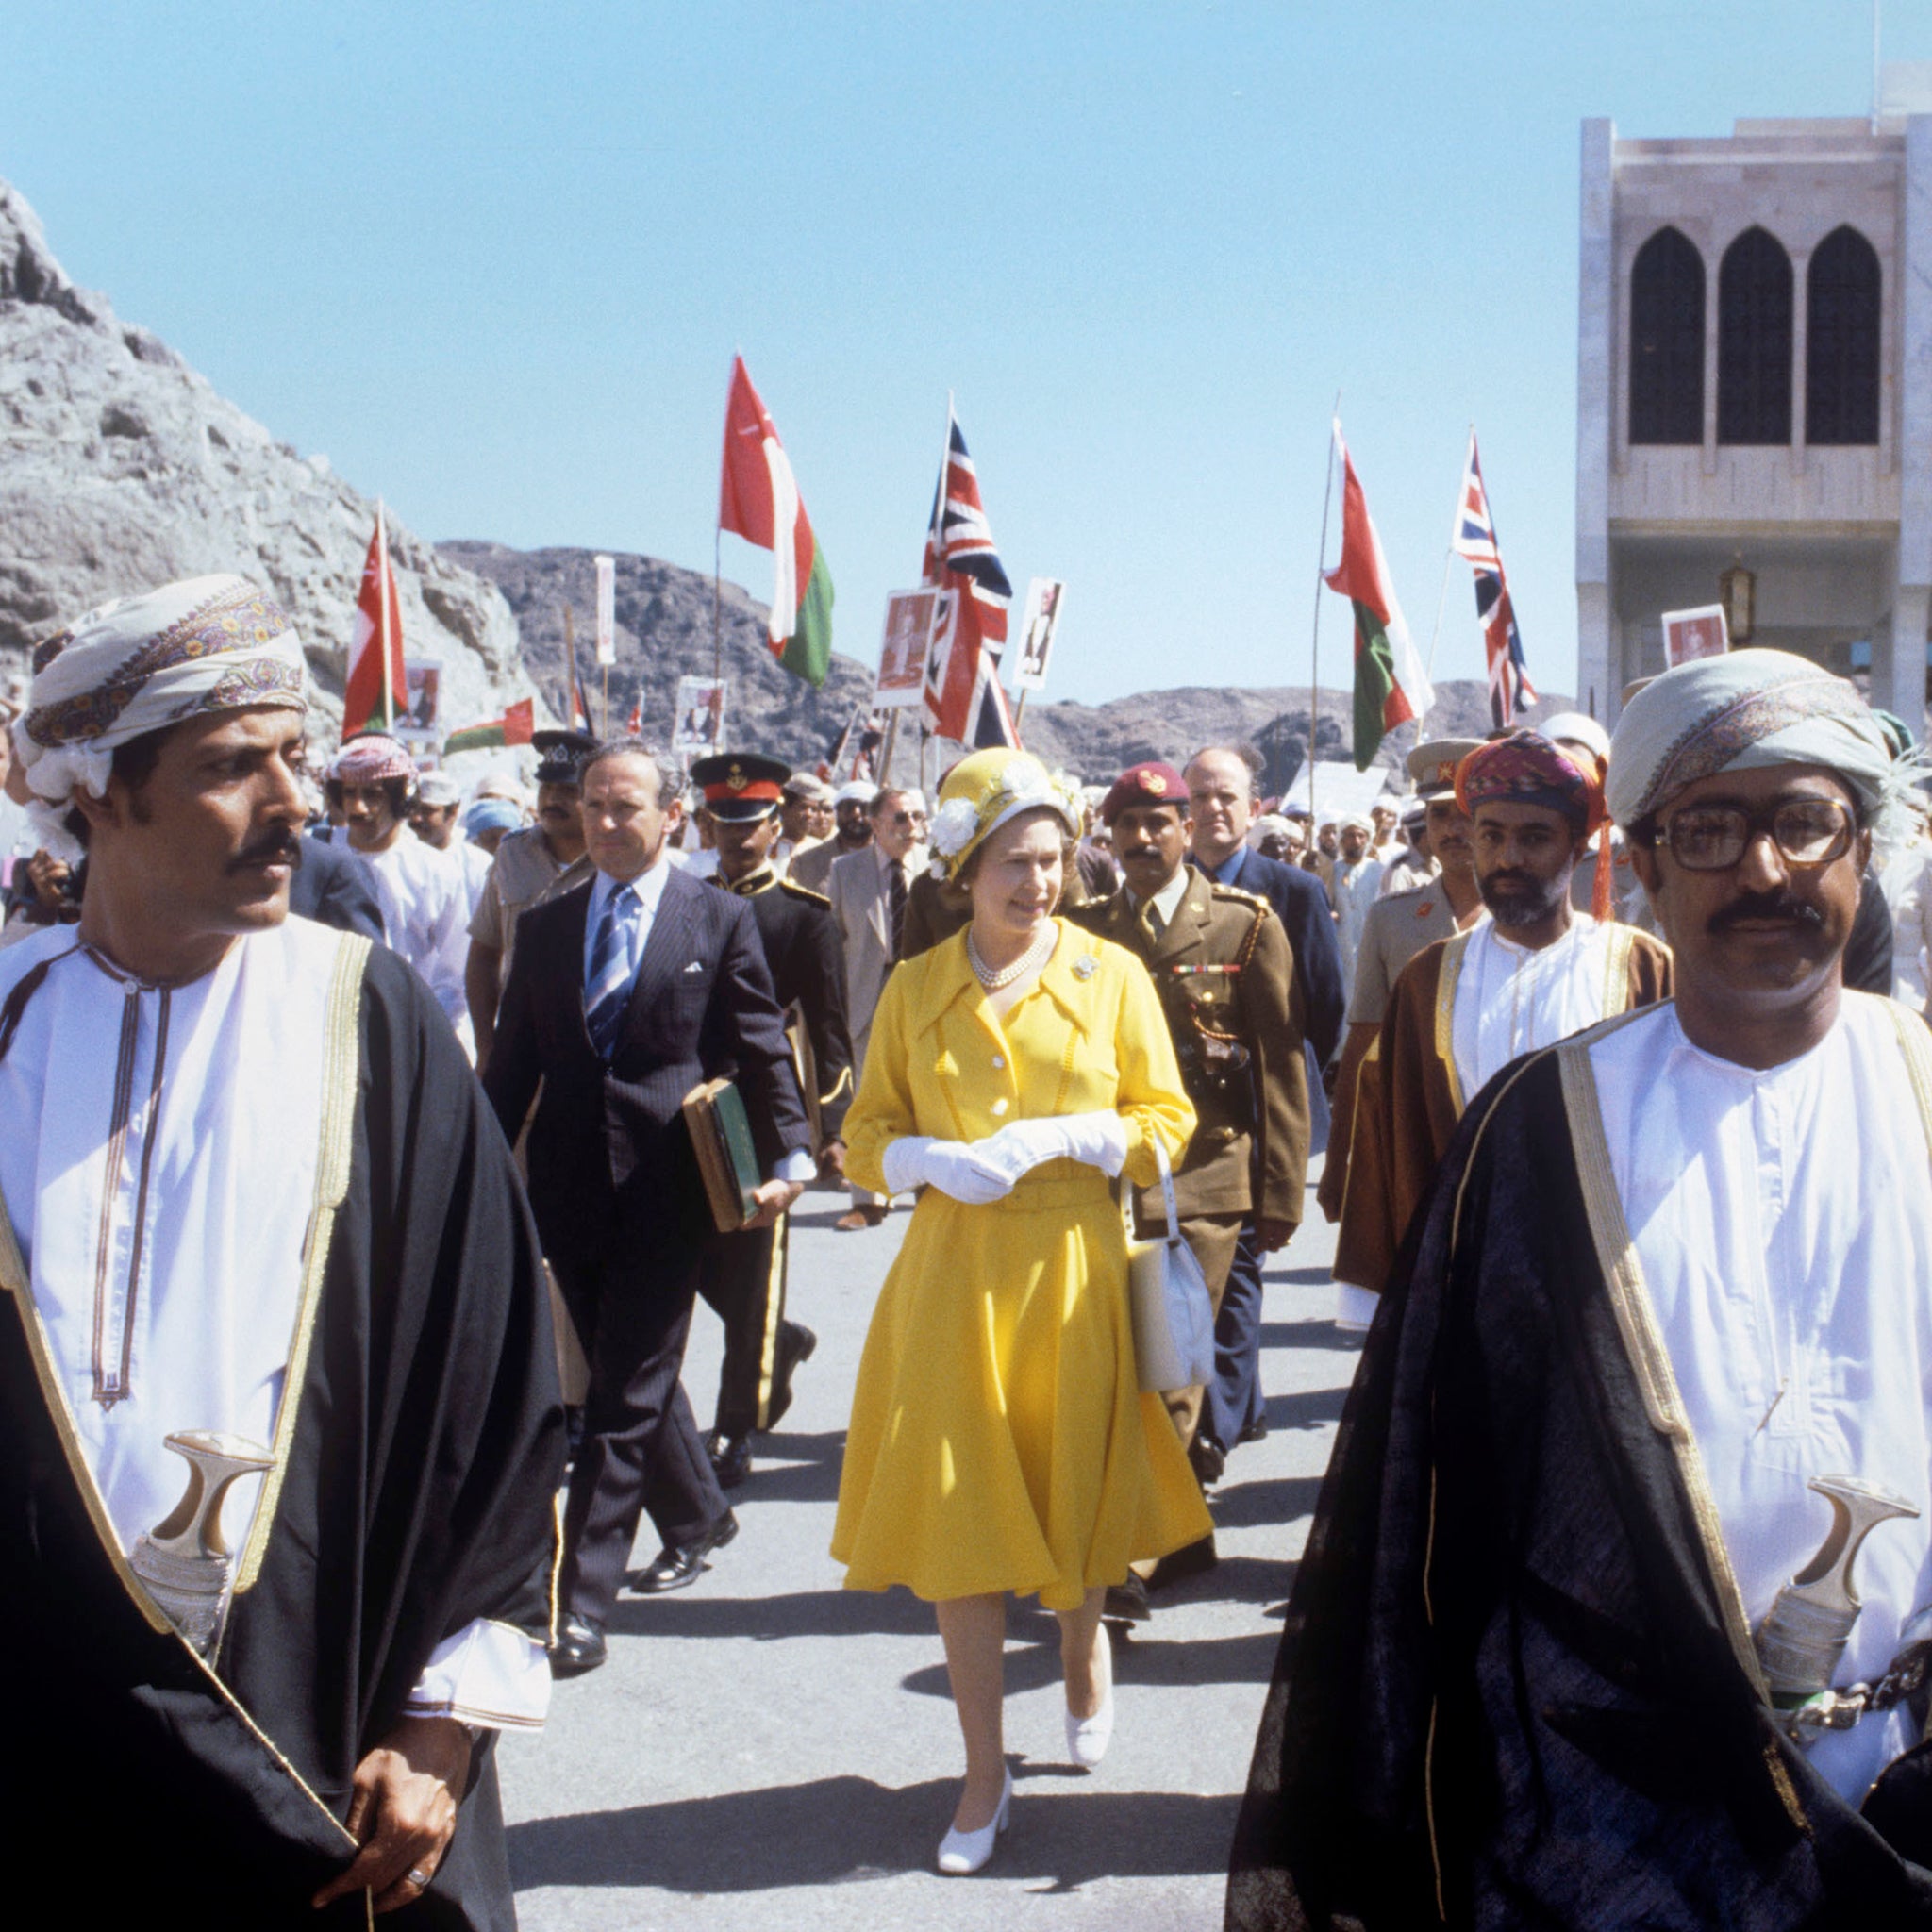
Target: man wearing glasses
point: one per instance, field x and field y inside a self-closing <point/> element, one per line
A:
<point x="1464" y="1007"/>
<point x="869" y="890"/>
<point x="1579" y="1640"/>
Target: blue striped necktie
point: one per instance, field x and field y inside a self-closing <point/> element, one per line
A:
<point x="607" y="986"/>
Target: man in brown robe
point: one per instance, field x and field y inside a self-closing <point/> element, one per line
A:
<point x="1397" y="928"/>
<point x="1535" y="972"/>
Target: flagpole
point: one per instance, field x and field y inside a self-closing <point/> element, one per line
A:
<point x="1442" y="601"/>
<point x="1315" y="641"/>
<point x="570" y="667"/>
<point x="886" y="750"/>
<point x="389" y="680"/>
<point x="716" y="619"/>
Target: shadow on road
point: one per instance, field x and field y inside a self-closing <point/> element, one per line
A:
<point x="794" y="1469"/>
<point x="1307" y="1408"/>
<point x="802" y="1613"/>
<point x="1321" y="1335"/>
<point x="845" y="1829"/>
<point x="1281" y="1499"/>
<point x="1142" y="1659"/>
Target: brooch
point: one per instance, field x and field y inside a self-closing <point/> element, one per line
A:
<point x="1085" y="966"/>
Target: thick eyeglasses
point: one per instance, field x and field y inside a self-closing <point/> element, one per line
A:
<point x="1806" y="831"/>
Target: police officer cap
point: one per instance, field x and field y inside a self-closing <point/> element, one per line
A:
<point x="561" y="756"/>
<point x="1433" y="765"/>
<point x="1150" y="784"/>
<point x="740" y="787"/>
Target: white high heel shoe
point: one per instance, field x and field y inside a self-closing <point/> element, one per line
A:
<point x="963" y="1852"/>
<point x="1088" y="1736"/>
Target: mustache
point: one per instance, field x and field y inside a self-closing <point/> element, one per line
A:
<point x="284" y="843"/>
<point x="1784" y="905"/>
<point x="1512" y="881"/>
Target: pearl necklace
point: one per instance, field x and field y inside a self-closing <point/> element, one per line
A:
<point x="996" y="981"/>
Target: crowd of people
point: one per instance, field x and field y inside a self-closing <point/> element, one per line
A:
<point x="338" y="1246"/>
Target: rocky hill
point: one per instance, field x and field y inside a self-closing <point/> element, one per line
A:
<point x="121" y="468"/>
<point x="664" y="632"/>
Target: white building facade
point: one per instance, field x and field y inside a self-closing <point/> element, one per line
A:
<point x="1754" y="390"/>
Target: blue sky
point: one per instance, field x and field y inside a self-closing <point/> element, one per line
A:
<point x="493" y="262"/>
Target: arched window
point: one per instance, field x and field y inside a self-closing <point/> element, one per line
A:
<point x="1667" y="340"/>
<point x="1842" y="341"/>
<point x="1753" y="341"/>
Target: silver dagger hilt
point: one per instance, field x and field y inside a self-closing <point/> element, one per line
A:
<point x="184" y="1560"/>
<point x="1804" y="1632"/>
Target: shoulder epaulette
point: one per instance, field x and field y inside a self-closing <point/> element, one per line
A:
<point x="805" y="893"/>
<point x="1255" y="900"/>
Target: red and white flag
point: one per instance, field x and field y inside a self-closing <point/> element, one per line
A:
<point x="634" y="725"/>
<point x="377" y="686"/>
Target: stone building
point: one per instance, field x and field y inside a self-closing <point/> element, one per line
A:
<point x="1754" y="391"/>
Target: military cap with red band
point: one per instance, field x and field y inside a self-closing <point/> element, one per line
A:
<point x="1150" y="784"/>
<point x="739" y="786"/>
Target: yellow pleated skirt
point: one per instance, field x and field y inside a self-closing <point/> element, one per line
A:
<point x="999" y="1441"/>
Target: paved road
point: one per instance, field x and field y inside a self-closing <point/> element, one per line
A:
<point x="766" y="1750"/>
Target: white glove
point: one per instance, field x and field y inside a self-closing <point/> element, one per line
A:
<point x="951" y="1166"/>
<point x="1098" y="1139"/>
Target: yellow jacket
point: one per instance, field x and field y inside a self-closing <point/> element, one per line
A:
<point x="1088" y="1035"/>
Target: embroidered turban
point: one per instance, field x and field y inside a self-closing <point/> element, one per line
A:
<point x="491" y="815"/>
<point x="1741" y="711"/>
<point x="372" y="757"/>
<point x="1526" y="769"/>
<point x="984" y="789"/>
<point x="139" y="664"/>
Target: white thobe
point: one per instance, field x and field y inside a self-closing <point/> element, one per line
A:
<point x="425" y="917"/>
<point x="1356" y="890"/>
<point x="159" y="1163"/>
<point x="1511" y="999"/>
<point x="1783" y="1222"/>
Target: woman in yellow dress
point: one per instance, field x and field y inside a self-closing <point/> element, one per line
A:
<point x="999" y="1441"/>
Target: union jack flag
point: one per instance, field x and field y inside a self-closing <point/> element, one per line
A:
<point x="1510" y="690"/>
<point x="580" y="705"/>
<point x="962" y="687"/>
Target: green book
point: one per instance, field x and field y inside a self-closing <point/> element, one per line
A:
<point x="721" y="1134"/>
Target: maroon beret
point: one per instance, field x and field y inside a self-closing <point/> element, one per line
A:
<point x="1149" y="784"/>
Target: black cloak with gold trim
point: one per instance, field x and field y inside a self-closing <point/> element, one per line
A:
<point x="140" y="1786"/>
<point x="1513" y="1689"/>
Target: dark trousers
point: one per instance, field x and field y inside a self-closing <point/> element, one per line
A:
<point x="641" y="1449"/>
<point x="1234" y="1397"/>
<point x="742" y="1276"/>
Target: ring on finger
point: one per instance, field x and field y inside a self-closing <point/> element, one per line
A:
<point x="418" y="1877"/>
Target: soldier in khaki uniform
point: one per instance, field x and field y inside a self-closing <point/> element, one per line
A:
<point x="1222" y="966"/>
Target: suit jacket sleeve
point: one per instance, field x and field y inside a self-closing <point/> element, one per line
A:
<point x="748" y="1015"/>
<point x="823" y="970"/>
<point x="515" y="1065"/>
<point x="1317" y="963"/>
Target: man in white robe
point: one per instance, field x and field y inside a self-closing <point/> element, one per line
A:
<point x="252" y="1204"/>
<point x="1580" y="1641"/>
<point x="425" y="897"/>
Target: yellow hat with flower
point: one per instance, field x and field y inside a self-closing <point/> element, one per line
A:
<point x="984" y="789"/>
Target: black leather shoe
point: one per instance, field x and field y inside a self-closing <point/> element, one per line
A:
<point x="1192" y="1561"/>
<point x="681" y="1564"/>
<point x="796" y="1343"/>
<point x="1210" y="1460"/>
<point x="579" y="1647"/>
<point x="1126" y="1603"/>
<point x="1257" y="1431"/>
<point x="730" y="1458"/>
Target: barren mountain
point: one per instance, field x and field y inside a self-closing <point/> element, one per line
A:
<point x="121" y="469"/>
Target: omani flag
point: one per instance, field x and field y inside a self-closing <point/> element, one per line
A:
<point x="758" y="500"/>
<point x="1390" y="686"/>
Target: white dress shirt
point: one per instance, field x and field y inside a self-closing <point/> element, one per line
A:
<point x="1783" y="1222"/>
<point x="1511" y="999"/>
